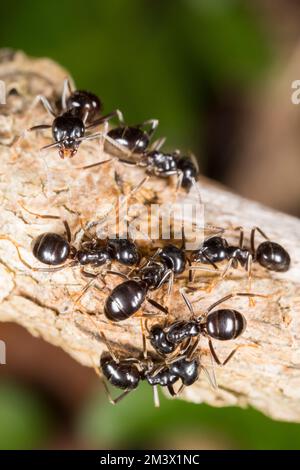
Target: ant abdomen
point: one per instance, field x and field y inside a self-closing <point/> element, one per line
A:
<point x="51" y="248"/>
<point x="124" y="251"/>
<point x="81" y="102"/>
<point x="273" y="256"/>
<point x="189" y="171"/>
<point x="123" y="375"/>
<point x="125" y="300"/>
<point x="225" y="324"/>
<point x="174" y="258"/>
<point x="132" y="139"/>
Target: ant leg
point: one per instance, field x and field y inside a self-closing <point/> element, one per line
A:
<point x="195" y="186"/>
<point x="211" y="380"/>
<point x="178" y="185"/>
<point x="172" y="391"/>
<point x="39" y="127"/>
<point x="249" y="271"/>
<point x="156" y="396"/>
<point x="234" y="294"/>
<point x="68" y="231"/>
<point x="252" y="238"/>
<point x="51" y="146"/>
<point x="45" y="102"/>
<point x="157" y="305"/>
<point x="20" y="137"/>
<point x="223" y="275"/>
<point x="116" y="273"/>
<point x="125" y="199"/>
<point x="153" y="123"/>
<point x="157" y="144"/>
<point x="230" y="355"/>
<point x="145" y="353"/>
<point x="104" y="119"/>
<point x="241" y="240"/>
<point x="86" y="287"/>
<point x="110" y="350"/>
<point x="113" y="401"/>
<point x="66" y="90"/>
<point x="187" y="301"/>
<point x="92" y="165"/>
<point x="49" y="216"/>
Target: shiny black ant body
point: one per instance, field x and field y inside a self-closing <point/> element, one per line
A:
<point x="268" y="254"/>
<point x="164" y="165"/>
<point x="132" y="139"/>
<point x="54" y="250"/>
<point x="221" y="324"/>
<point x="73" y="120"/>
<point x="130" y="144"/>
<point x="128" y="297"/>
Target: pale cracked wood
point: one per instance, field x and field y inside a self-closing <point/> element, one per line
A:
<point x="265" y="375"/>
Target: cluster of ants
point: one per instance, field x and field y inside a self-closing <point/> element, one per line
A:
<point x="176" y="359"/>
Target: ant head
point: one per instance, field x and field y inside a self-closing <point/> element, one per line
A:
<point x="68" y="130"/>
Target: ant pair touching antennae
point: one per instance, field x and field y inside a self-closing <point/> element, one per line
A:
<point x="70" y="123"/>
<point x="221" y="324"/>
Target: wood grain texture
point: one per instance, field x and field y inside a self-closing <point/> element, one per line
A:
<point x="265" y="375"/>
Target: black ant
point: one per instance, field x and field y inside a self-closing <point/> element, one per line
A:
<point x="268" y="254"/>
<point x="73" y="120"/>
<point x="129" y="140"/>
<point x="54" y="250"/>
<point x="130" y="144"/>
<point x="127" y="373"/>
<point x="221" y="324"/>
<point x="127" y="298"/>
<point x="164" y="165"/>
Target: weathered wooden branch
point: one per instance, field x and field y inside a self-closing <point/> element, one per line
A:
<point x="265" y="375"/>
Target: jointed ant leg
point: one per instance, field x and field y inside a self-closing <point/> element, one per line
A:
<point x="156" y="397"/>
<point x="249" y="271"/>
<point x="234" y="294"/>
<point x="187" y="302"/>
<point x="45" y="102"/>
<point x="252" y="238"/>
<point x="157" y="144"/>
<point x="230" y="355"/>
<point x="66" y="90"/>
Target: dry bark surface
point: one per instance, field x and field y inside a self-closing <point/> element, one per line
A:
<point x="265" y="375"/>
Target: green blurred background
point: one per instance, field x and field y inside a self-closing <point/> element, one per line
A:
<point x="217" y="74"/>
